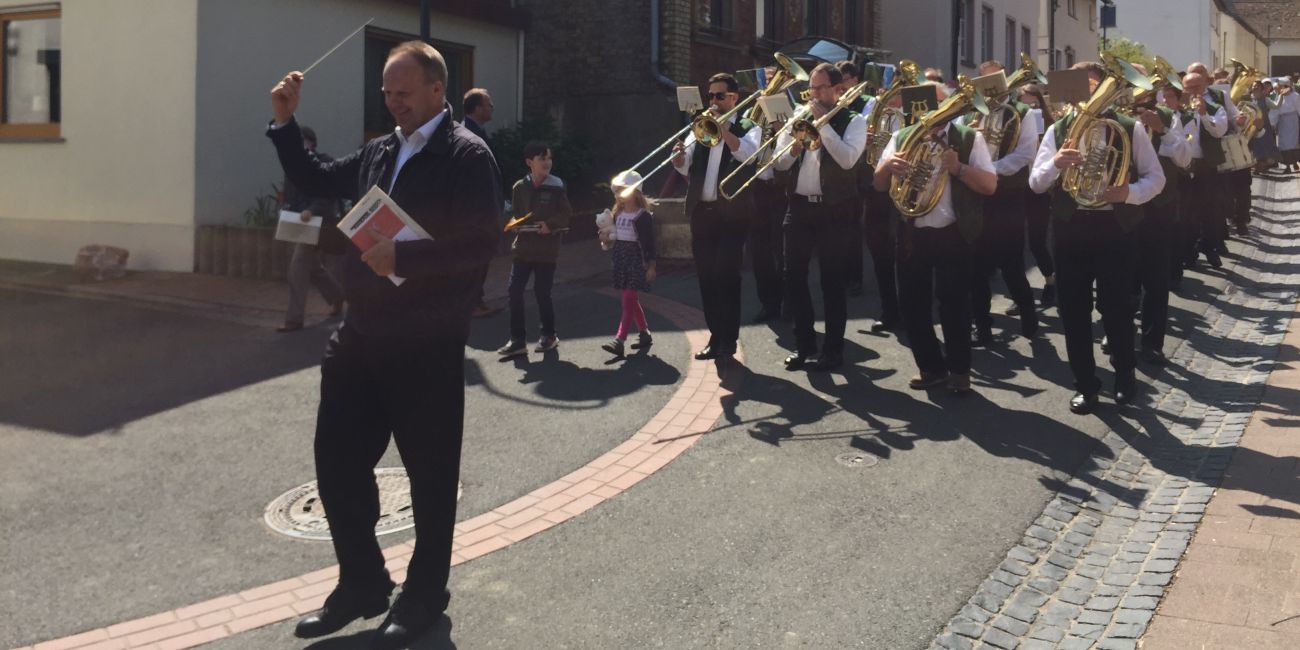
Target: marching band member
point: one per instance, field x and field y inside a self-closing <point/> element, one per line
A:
<point x="718" y="226"/>
<point x="934" y="255"/>
<point x="1002" y="242"/>
<point x="1096" y="245"/>
<point x="1211" y="118"/>
<point x="823" y="191"/>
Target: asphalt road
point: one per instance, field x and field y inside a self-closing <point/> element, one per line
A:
<point x="138" y="449"/>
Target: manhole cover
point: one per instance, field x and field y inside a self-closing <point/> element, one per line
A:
<point x="856" y="459"/>
<point x="299" y="513"/>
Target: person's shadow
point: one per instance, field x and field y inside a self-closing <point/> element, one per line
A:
<point x="439" y="638"/>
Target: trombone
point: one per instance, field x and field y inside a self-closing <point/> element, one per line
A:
<point x="801" y="130"/>
<point x="707" y="129"/>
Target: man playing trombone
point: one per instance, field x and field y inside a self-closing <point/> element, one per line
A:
<point x="823" y="193"/>
<point x="718" y="226"/>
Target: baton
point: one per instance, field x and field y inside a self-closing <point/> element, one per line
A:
<point x="340" y="44"/>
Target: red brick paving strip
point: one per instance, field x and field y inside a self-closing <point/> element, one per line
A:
<point x="1238" y="585"/>
<point x="690" y="413"/>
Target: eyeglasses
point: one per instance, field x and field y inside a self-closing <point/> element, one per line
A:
<point x="722" y="95"/>
<point x="819" y="86"/>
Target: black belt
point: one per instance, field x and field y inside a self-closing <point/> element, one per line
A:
<point x="816" y="198"/>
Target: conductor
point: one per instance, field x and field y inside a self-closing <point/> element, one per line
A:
<point x="395" y="367"/>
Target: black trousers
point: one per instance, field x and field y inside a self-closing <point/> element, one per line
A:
<point x="1156" y="237"/>
<point x="824" y="228"/>
<point x="1091" y="247"/>
<point x="766" y="256"/>
<point x="412" y="389"/>
<point x="1209" y="202"/>
<point x="936" y="262"/>
<point x="520" y="271"/>
<point x="1001" y="248"/>
<point x="854" y="263"/>
<point x="718" y="246"/>
<point x="1239" y="189"/>
<point x="878" y="225"/>
<point x="1038" y="212"/>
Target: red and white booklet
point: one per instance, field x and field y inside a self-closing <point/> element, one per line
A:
<point x="379" y="211"/>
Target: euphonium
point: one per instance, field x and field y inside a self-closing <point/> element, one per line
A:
<point x="1162" y="76"/>
<point x="1245" y="78"/>
<point x="881" y="115"/>
<point x="918" y="192"/>
<point x="1004" y="116"/>
<point x="1104" y="142"/>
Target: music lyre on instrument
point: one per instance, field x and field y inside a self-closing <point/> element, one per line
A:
<point x="707" y="128"/>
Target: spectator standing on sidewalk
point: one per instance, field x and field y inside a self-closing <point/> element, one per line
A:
<point x="633" y="241"/>
<point x="476" y="107"/>
<point x="316" y="265"/>
<point x="537" y="247"/>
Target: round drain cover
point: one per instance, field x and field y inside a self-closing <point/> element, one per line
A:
<point x="856" y="459"/>
<point x="298" y="513"/>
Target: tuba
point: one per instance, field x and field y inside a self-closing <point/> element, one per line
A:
<point x="1002" y="115"/>
<point x="881" y="115"/>
<point x="1244" y="78"/>
<point x="918" y="192"/>
<point x="1105" y="144"/>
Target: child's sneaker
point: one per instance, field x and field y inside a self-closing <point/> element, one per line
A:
<point x="643" y="341"/>
<point x="512" y="348"/>
<point x="614" y="347"/>
<point x="547" y="343"/>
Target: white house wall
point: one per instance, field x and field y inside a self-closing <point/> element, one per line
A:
<point x="123" y="172"/>
<point x="1077" y="32"/>
<point x="245" y="46"/>
<point x="1174" y="29"/>
<point x="921" y="30"/>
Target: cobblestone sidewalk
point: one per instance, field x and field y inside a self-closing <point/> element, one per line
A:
<point x="1092" y="570"/>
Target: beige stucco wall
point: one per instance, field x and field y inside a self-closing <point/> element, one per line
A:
<point x="123" y="173"/>
<point x="245" y="46"/>
<point x="1076" y="31"/>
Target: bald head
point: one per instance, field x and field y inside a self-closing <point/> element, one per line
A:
<point x="1199" y="68"/>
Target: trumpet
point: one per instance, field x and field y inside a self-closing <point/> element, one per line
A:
<point x="707" y="128"/>
<point x="801" y="130"/>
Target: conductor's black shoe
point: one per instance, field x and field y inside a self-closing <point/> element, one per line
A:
<point x="981" y="337"/>
<point x="828" y="361"/>
<point x="1083" y="403"/>
<point x="409" y="620"/>
<point x="706" y="353"/>
<point x="797" y="361"/>
<point x="1125" y="388"/>
<point x="341" y="608"/>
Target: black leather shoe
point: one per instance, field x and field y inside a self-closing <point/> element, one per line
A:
<point x="1154" y="357"/>
<point x="797" y="361"/>
<point x="884" y="325"/>
<point x="828" y="361"/>
<point x="341" y="608"/>
<point x="981" y="338"/>
<point x="409" y="620"/>
<point x="1213" y="258"/>
<point x="1125" y="388"/>
<point x="706" y="353"/>
<point x="1083" y="403"/>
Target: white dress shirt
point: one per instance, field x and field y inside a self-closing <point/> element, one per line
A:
<point x="844" y="151"/>
<point x="748" y="145"/>
<point x="1174" y="144"/>
<point x="1151" y="177"/>
<point x="943" y="213"/>
<point x="413" y="143"/>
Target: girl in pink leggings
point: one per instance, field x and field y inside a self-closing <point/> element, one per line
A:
<point x="633" y="242"/>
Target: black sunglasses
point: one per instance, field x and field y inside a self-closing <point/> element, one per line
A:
<point x="722" y="95"/>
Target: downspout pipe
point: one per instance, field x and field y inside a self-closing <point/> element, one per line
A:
<point x="655" y="70"/>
